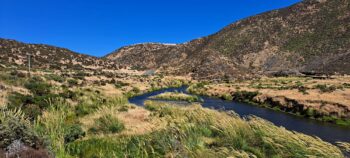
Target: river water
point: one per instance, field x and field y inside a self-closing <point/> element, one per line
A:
<point x="326" y="131"/>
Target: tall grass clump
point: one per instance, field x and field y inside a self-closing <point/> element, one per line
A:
<point x="107" y="124"/>
<point x="52" y="126"/>
<point x="89" y="101"/>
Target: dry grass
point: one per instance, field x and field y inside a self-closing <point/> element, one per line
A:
<point x="345" y="146"/>
<point x="284" y="87"/>
<point x="255" y="131"/>
<point x="177" y="97"/>
<point x="277" y="136"/>
<point x="136" y="120"/>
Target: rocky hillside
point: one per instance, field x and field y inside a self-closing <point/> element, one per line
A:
<point x="311" y="36"/>
<point x="14" y="53"/>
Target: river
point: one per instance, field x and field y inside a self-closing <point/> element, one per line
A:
<point x="326" y="131"/>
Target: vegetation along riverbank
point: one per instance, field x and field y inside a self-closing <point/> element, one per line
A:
<point x="324" y="100"/>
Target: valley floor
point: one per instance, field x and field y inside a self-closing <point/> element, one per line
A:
<point x="87" y="114"/>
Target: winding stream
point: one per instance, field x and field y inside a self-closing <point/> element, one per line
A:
<point x="326" y="131"/>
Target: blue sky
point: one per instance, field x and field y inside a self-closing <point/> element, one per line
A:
<point x="98" y="27"/>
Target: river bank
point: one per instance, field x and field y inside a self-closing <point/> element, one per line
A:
<point x="323" y="100"/>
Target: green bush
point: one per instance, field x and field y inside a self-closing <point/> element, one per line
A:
<point x="346" y="85"/>
<point x="325" y="89"/>
<point x="56" y="78"/>
<point x="18" y="74"/>
<point x="17" y="100"/>
<point x="310" y="112"/>
<point x="120" y="84"/>
<point x="43" y="101"/>
<point x="32" y="111"/>
<point x="72" y="82"/>
<point x="227" y="97"/>
<point x="68" y="94"/>
<point x="73" y="132"/>
<point x="303" y="89"/>
<point x="244" y="96"/>
<point x="107" y="124"/>
<point x="31" y="105"/>
<point x="136" y="90"/>
<point x="80" y="75"/>
<point x="84" y="109"/>
<point x="15" y="126"/>
<point x="38" y="87"/>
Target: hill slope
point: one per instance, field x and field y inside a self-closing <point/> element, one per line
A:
<point x="313" y="35"/>
<point x="14" y="53"/>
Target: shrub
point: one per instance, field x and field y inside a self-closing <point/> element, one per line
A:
<point x="32" y="111"/>
<point x="244" y="95"/>
<point x="31" y="105"/>
<point x="303" y="89"/>
<point x="201" y="84"/>
<point x="17" y="100"/>
<point x="84" y="109"/>
<point x="325" y="89"/>
<point x="73" y="132"/>
<point x="38" y="87"/>
<point x="43" y="101"/>
<point x="120" y="84"/>
<point x="15" y="126"/>
<point x="107" y="124"/>
<point x="18" y="74"/>
<point x="68" y="94"/>
<point x="346" y="85"/>
<point x="56" y="78"/>
<point x="72" y="82"/>
<point x="136" y="90"/>
<point x="310" y="112"/>
<point x="227" y="96"/>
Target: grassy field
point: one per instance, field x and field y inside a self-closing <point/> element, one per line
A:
<point x="195" y="132"/>
<point x="324" y="100"/>
<point x="58" y="117"/>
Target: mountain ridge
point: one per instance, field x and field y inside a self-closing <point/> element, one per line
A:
<point x="15" y="53"/>
<point x="310" y="36"/>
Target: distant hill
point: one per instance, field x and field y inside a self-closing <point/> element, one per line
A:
<point x="311" y="36"/>
<point x="14" y="53"/>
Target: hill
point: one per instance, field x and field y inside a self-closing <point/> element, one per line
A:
<point x="311" y="36"/>
<point x="14" y="53"/>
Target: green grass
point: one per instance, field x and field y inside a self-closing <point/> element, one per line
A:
<point x="196" y="132"/>
<point x="107" y="124"/>
<point x="55" y="77"/>
<point x="190" y="131"/>
<point x="52" y="126"/>
<point x="227" y="96"/>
